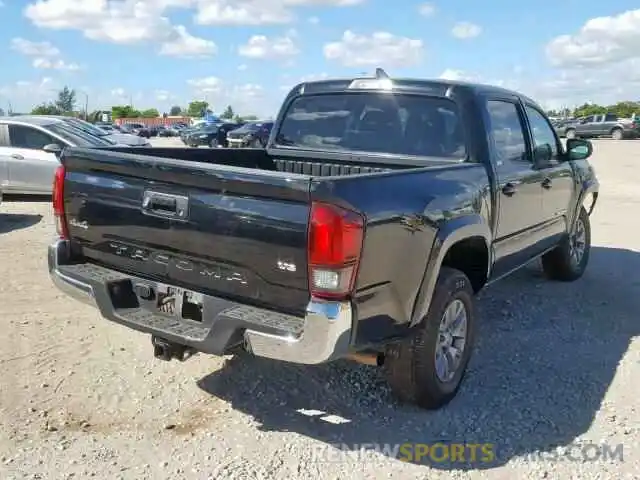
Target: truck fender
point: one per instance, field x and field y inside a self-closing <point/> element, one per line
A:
<point x="449" y="233"/>
<point x="588" y="186"/>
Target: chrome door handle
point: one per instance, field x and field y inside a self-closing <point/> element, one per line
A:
<point x="17" y="156"/>
<point x="546" y="183"/>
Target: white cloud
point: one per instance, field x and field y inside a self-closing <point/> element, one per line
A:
<point x="35" y="49"/>
<point x="459" y="75"/>
<point x="121" y="22"/>
<point x="118" y="92"/>
<point x="465" y="30"/>
<point x="427" y="9"/>
<point x="260" y="46"/>
<point x="186" y="45"/>
<point x="379" y="49"/>
<point x="602" y="40"/>
<point x="162" y="95"/>
<point x="258" y="12"/>
<point x="242" y="67"/>
<point x="45" y="63"/>
<point x="206" y="84"/>
<point x="246" y="98"/>
<point x="313" y="20"/>
<point x="243" y="12"/>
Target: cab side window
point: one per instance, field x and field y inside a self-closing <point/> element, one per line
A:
<point x="507" y="131"/>
<point x="21" y="136"/>
<point x="543" y="135"/>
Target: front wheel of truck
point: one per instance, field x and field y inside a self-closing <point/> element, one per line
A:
<point x="427" y="368"/>
<point x="568" y="261"/>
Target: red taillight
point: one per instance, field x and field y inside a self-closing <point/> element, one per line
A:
<point x="335" y="244"/>
<point x="58" y="203"/>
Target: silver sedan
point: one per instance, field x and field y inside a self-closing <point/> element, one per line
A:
<point x="27" y="151"/>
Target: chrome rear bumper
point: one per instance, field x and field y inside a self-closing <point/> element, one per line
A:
<point x="325" y="332"/>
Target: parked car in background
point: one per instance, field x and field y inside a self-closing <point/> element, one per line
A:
<point x="173" y="130"/>
<point x="250" y="135"/>
<point x="561" y="126"/>
<point x="212" y="135"/>
<point x="107" y="128"/>
<point x="26" y="165"/>
<point x="113" y="138"/>
<point x="186" y="132"/>
<point x="167" y="132"/>
<point x="604" y="125"/>
<point x="138" y="129"/>
<point x="155" y="130"/>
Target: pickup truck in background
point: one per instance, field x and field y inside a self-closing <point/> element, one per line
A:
<point x="606" y="125"/>
<point x="378" y="208"/>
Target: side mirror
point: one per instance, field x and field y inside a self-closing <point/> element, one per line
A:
<point x="53" y="148"/>
<point x="578" y="149"/>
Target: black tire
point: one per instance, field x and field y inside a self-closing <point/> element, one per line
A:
<point x="410" y="365"/>
<point x="570" y="133"/>
<point x="213" y="143"/>
<point x="560" y="263"/>
<point x="617" y="134"/>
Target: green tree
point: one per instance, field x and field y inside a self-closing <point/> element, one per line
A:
<point x="196" y="108"/>
<point x="589" y="109"/>
<point x="228" y="113"/>
<point x="46" y="109"/>
<point x="175" y="111"/>
<point x="66" y="101"/>
<point x="124" y="111"/>
<point x="150" y="113"/>
<point x="250" y="118"/>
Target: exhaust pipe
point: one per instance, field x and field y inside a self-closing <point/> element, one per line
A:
<point x="373" y="359"/>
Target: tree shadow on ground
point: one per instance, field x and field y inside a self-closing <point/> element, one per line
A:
<point x="546" y="355"/>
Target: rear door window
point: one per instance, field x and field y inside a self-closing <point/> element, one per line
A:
<point x="22" y="136"/>
<point x="507" y="131"/>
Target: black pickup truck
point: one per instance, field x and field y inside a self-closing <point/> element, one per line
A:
<point x="378" y="208"/>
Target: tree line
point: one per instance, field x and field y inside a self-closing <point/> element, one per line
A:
<point x="66" y="100"/>
<point x="625" y="109"/>
<point x="65" y="104"/>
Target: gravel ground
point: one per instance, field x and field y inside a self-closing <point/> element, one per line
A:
<point x="555" y="365"/>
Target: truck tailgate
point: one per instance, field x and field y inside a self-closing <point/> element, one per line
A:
<point x="228" y="231"/>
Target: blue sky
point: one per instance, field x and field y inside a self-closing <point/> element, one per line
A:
<point x="165" y="52"/>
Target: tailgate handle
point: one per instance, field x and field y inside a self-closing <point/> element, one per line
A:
<point x="165" y="204"/>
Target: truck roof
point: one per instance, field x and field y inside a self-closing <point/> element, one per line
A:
<point x="439" y="87"/>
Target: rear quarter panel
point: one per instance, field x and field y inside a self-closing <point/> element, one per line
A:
<point x="405" y="213"/>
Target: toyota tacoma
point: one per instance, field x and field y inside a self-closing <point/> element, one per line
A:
<point x="363" y="230"/>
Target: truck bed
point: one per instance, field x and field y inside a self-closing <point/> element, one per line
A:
<point x="261" y="160"/>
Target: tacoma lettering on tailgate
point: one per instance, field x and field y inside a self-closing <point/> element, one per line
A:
<point x="208" y="270"/>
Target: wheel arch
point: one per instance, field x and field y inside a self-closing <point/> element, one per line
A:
<point x="463" y="243"/>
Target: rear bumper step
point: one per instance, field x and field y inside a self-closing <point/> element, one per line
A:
<point x="322" y="335"/>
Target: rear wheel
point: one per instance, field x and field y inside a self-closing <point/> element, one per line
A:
<point x="568" y="261"/>
<point x="570" y="133"/>
<point x="616" y="134"/>
<point x="427" y="368"/>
